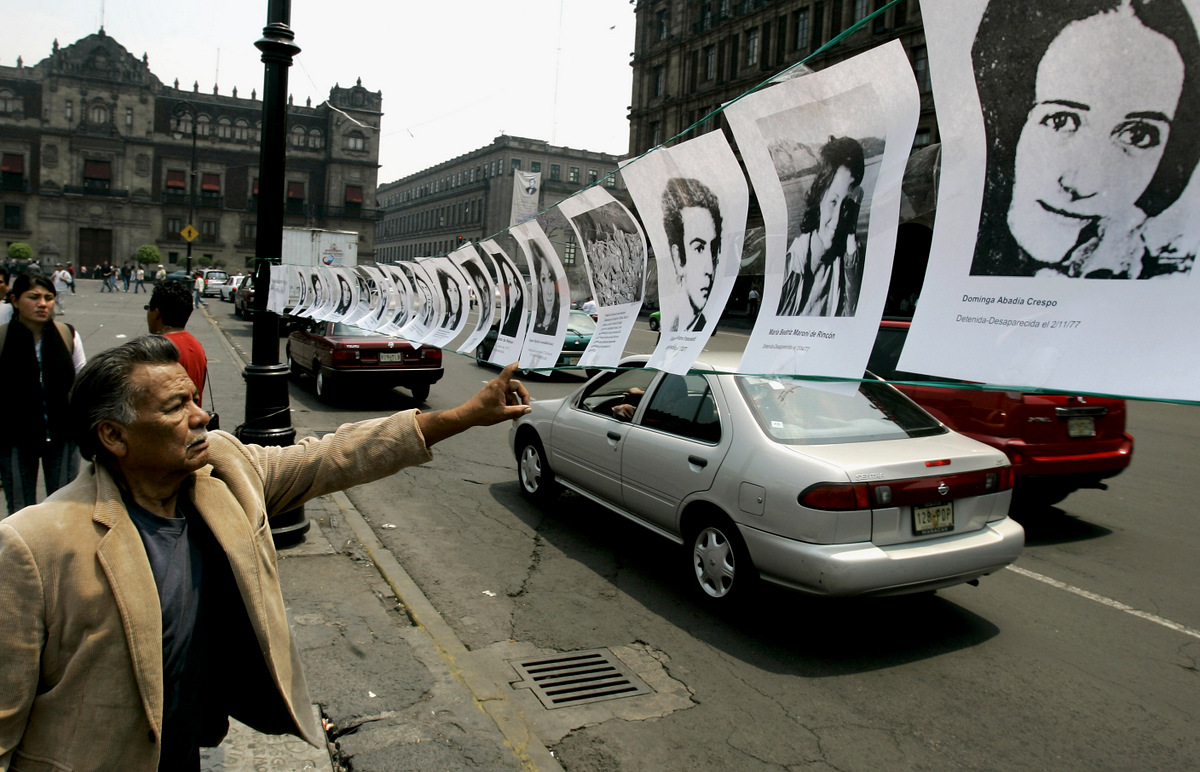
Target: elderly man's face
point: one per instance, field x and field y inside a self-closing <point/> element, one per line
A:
<point x="169" y="435"/>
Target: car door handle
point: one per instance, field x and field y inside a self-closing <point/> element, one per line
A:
<point x="700" y="462"/>
<point x="614" y="436"/>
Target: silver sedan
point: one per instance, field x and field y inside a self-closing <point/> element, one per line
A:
<point x="829" y="489"/>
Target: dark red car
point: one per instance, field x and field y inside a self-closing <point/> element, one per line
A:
<point x="342" y="356"/>
<point x="1057" y="443"/>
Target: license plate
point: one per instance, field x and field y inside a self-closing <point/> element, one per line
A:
<point x="570" y="360"/>
<point x="396" y="357"/>
<point x="1081" y="426"/>
<point x="935" y="518"/>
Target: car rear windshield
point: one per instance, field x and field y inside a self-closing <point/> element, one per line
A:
<point x="580" y="324"/>
<point x="796" y="412"/>
<point x="349" y="330"/>
<point x="215" y="276"/>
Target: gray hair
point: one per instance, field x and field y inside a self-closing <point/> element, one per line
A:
<point x="103" y="390"/>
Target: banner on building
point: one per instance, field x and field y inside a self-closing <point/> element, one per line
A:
<point x="527" y="188"/>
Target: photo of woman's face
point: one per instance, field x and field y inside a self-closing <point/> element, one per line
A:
<point x="831" y="204"/>
<point x="1106" y="92"/>
<point x="452" y="296"/>
<point x="546" y="283"/>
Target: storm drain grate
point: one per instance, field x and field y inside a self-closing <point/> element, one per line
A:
<point x="577" y="678"/>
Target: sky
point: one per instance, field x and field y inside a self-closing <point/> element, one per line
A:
<point x="454" y="75"/>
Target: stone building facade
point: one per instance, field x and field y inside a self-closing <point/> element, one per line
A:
<point x="470" y="198"/>
<point x="692" y="56"/>
<point x="97" y="160"/>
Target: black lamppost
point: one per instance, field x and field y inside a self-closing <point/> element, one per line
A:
<point x="188" y="109"/>
<point x="268" y="409"/>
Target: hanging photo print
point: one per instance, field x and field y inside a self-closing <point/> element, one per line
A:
<point x="452" y="290"/>
<point x="513" y="312"/>
<point x="614" y="252"/>
<point x="551" y="302"/>
<point x="399" y="300"/>
<point x="343" y="287"/>
<point x="426" y="307"/>
<point x="482" y="295"/>
<point x="300" y="294"/>
<point x="1067" y="229"/>
<point x="693" y="200"/>
<point x="826" y="155"/>
<point x="324" y="294"/>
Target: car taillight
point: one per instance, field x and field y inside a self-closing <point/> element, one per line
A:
<point x="835" y="496"/>
<point x="346" y="355"/>
<point x="999" y="480"/>
<point x="431" y="354"/>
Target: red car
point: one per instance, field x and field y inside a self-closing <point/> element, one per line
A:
<point x="339" y="355"/>
<point x="1057" y="443"/>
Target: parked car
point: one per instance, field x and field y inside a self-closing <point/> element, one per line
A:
<point x="580" y="326"/>
<point x="228" y="288"/>
<point x="828" y="492"/>
<point x="340" y="355"/>
<point x="181" y="276"/>
<point x="213" y="279"/>
<point x="655" y="320"/>
<point x="243" y="298"/>
<point x="1056" y="443"/>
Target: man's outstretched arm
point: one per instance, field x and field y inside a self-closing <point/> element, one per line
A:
<point x="501" y="399"/>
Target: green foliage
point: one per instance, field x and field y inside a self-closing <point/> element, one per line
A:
<point x="205" y="261"/>
<point x="19" y="250"/>
<point x="148" y="254"/>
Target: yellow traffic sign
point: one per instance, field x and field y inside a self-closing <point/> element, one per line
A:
<point x="189" y="233"/>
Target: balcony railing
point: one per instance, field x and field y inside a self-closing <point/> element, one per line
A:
<point x="14" y="184"/>
<point x="92" y="190"/>
<point x="350" y="212"/>
<point x="183" y="199"/>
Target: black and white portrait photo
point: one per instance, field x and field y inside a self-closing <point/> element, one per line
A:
<point x="345" y="294"/>
<point x="615" y="253"/>
<point x="826" y="157"/>
<point x="548" y="305"/>
<point x="1090" y="112"/>
<point x="692" y="222"/>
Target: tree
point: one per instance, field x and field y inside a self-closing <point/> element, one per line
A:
<point x="205" y="261"/>
<point x="148" y="254"/>
<point x="19" y="250"/>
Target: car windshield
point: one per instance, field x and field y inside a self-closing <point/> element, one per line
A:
<point x="581" y="324"/>
<point x="350" y="330"/>
<point x="794" y="412"/>
<point x="216" y="276"/>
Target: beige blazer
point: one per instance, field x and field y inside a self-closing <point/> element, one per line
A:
<point x="80" y="624"/>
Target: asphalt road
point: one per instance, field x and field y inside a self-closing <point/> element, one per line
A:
<point x="1083" y="656"/>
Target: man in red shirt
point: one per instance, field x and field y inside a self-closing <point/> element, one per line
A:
<point x="167" y="314"/>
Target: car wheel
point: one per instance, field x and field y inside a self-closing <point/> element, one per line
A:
<point x="420" y="392"/>
<point x="720" y="564"/>
<point x="653" y="325"/>
<point x="533" y="472"/>
<point x="294" y="368"/>
<point x="324" y="387"/>
<point x="481" y="355"/>
<point x="237" y="310"/>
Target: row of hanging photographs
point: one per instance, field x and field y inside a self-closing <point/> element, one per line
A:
<point x="1060" y="160"/>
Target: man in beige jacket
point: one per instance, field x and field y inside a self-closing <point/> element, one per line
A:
<point x="140" y="605"/>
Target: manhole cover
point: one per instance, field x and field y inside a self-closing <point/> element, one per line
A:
<point x="577" y="678"/>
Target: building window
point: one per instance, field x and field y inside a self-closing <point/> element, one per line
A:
<point x="569" y="250"/>
<point x="12" y="172"/>
<point x="861" y="8"/>
<point x="174" y="228"/>
<point x="224" y="128"/>
<point x="316" y="140"/>
<point x="356" y="141"/>
<point x="299" y="137"/>
<point x="210" y="185"/>
<point x="752" y="41"/>
<point x="723" y="8"/>
<point x="97" y="176"/>
<point x="655" y="133"/>
<point x="295" y="198"/>
<point x="900" y="14"/>
<point x="922" y="138"/>
<point x="98" y="114"/>
<point x="208" y="231"/>
<point x="70" y="112"/>
<point x="203" y="125"/>
<point x="880" y="23"/>
<point x="129" y="118"/>
<point x="610" y="181"/>
<point x="241" y="131"/>
<point x="12" y="217"/>
<point x="802" y="30"/>
<point x="593" y="175"/>
<point x="516" y="164"/>
<point x="921" y="68"/>
<point x="249" y="231"/>
<point x="710" y="63"/>
<point x="663" y="25"/>
<point x="535" y="166"/>
<point x="660" y="80"/>
<point x="354" y="200"/>
<point x="555" y="172"/>
<point x="176" y="181"/>
<point x="573" y="174"/>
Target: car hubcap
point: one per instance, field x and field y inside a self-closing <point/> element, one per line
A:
<point x="531" y="469"/>
<point x="320" y="383"/>
<point x="713" y="560"/>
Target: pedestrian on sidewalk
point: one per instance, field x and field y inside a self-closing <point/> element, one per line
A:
<point x="198" y="287"/>
<point x="6" y="308"/>
<point x="126" y="275"/>
<point x="71" y="270"/>
<point x="167" y="314"/>
<point x="150" y="584"/>
<point x="39" y="359"/>
<point x="62" y="285"/>
<point x="106" y="275"/>
<point x="160" y="274"/>
<point x="139" y="275"/>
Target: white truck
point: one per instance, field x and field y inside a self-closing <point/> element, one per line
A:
<point x="310" y="247"/>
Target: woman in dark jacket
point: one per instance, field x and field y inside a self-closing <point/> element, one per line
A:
<point x="37" y="368"/>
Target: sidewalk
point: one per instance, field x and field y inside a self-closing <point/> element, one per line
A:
<point x="396" y="687"/>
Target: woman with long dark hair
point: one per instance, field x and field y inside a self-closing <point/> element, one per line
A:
<point x="37" y="369"/>
<point x="815" y="279"/>
<point x="1089" y="110"/>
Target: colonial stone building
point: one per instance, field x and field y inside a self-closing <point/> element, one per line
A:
<point x="470" y="197"/>
<point x="98" y="160"/>
<point x="691" y="56"/>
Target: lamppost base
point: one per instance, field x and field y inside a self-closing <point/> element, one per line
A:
<point x="269" y="423"/>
